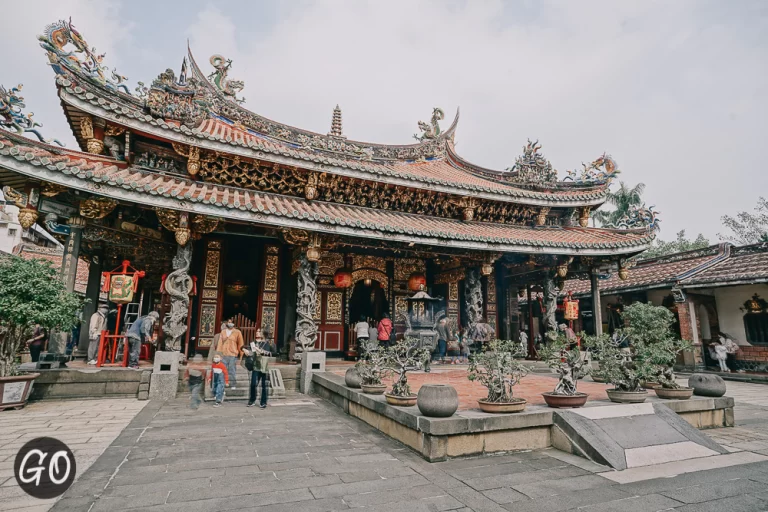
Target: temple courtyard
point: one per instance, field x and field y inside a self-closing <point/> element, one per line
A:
<point x="303" y="454"/>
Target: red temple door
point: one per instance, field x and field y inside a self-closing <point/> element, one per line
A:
<point x="329" y="316"/>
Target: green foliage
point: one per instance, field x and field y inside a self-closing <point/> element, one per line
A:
<point x="623" y="200"/>
<point x="497" y="370"/>
<point x="650" y="354"/>
<point x="680" y="244"/>
<point x="370" y="367"/>
<point x="566" y="362"/>
<point x="31" y="293"/>
<point x="748" y="228"/>
<point x="402" y="357"/>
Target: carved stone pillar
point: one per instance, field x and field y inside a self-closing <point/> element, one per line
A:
<point x="178" y="285"/>
<point x="473" y="296"/>
<point x="306" y="302"/>
<point x="550" y="296"/>
<point x="72" y="252"/>
<point x="597" y="308"/>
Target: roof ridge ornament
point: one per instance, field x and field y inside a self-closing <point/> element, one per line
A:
<point x="336" y="130"/>
<point x="432" y="130"/>
<point x="12" y="118"/>
<point x="83" y="60"/>
<point x="592" y="173"/>
<point x="220" y="79"/>
<point x="532" y="167"/>
<point x="639" y="216"/>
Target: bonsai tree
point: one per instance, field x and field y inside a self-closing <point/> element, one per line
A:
<point x="650" y="329"/>
<point x="402" y="357"/>
<point x="566" y="362"/>
<point x="617" y="363"/>
<point x="31" y="293"/>
<point x="371" y="366"/>
<point x="497" y="369"/>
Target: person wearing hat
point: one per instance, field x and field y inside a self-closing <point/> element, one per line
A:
<point x="97" y="324"/>
<point x="140" y="331"/>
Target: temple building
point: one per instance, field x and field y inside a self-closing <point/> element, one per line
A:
<point x="300" y="234"/>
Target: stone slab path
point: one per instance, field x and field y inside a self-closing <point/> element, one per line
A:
<point x="88" y="427"/>
<point x="306" y="455"/>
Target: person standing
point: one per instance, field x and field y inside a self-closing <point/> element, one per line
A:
<point x="361" y="332"/>
<point x="443" y="335"/>
<point x="260" y="373"/>
<point x="141" y="331"/>
<point x="37" y="343"/>
<point x="385" y="331"/>
<point x="196" y="375"/>
<point x="97" y="324"/>
<point x="230" y="346"/>
<point x="219" y="377"/>
<point x="373" y="334"/>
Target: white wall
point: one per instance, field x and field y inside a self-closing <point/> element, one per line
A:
<point x="729" y="300"/>
<point x="8" y="241"/>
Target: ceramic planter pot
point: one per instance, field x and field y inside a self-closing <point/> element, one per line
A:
<point x="373" y="389"/>
<point x="499" y="407"/>
<point x="437" y="400"/>
<point x="401" y="401"/>
<point x="565" y="401"/>
<point x="352" y="378"/>
<point x="674" y="394"/>
<point x="627" y="397"/>
<point x="650" y="385"/>
<point x="14" y="391"/>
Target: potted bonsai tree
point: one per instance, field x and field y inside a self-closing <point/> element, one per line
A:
<point x="371" y="370"/>
<point x="497" y="369"/>
<point x="619" y="366"/>
<point x="399" y="359"/>
<point x="570" y="366"/>
<point x="31" y="294"/>
<point x="650" y="328"/>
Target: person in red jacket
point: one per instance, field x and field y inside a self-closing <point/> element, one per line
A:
<point x="220" y="378"/>
<point x="385" y="331"/>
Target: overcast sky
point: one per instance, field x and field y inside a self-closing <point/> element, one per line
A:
<point x="676" y="91"/>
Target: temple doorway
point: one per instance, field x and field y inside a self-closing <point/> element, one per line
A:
<point x="241" y="278"/>
<point x="368" y="301"/>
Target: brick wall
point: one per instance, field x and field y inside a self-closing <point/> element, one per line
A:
<point x="756" y="354"/>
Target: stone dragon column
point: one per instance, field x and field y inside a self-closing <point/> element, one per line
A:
<point x="306" y="302"/>
<point x="473" y="297"/>
<point x="178" y="285"/>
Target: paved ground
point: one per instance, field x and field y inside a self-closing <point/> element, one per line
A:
<point x="88" y="427"/>
<point x="305" y="455"/>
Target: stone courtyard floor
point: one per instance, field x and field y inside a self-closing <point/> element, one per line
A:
<point x="302" y="454"/>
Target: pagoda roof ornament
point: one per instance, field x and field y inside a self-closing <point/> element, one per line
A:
<point x="639" y="216"/>
<point x="220" y="78"/>
<point x="532" y="167"/>
<point x="12" y="118"/>
<point x="336" y="124"/>
<point x="432" y="130"/>
<point x="599" y="172"/>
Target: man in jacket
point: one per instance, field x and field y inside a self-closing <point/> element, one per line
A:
<point x="97" y="324"/>
<point x="385" y="331"/>
<point x="230" y="346"/>
<point x="140" y="331"/>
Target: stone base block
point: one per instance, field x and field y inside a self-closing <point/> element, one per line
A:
<point x="163" y="386"/>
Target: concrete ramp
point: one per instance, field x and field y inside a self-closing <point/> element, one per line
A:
<point x="630" y="435"/>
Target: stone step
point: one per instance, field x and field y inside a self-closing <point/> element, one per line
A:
<point x="242" y="390"/>
<point x="630" y="435"/>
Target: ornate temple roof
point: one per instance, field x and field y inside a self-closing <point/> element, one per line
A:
<point x="107" y="177"/>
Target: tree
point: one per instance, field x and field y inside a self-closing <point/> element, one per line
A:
<point x="747" y="228"/>
<point x="623" y="200"/>
<point x="31" y="293"/>
<point x="680" y="244"/>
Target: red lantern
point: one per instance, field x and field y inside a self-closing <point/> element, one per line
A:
<point x="342" y="278"/>
<point x="417" y="282"/>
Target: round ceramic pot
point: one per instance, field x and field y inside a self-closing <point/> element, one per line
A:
<point x="352" y="378"/>
<point x="14" y="391"/>
<point x="565" y="401"/>
<point x="437" y="400"/>
<point x="498" y="407"/>
<point x="373" y="389"/>
<point x="650" y="385"/>
<point x="627" y="397"/>
<point x="674" y="394"/>
<point x="401" y="401"/>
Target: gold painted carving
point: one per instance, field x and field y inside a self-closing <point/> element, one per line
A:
<point x="453" y="291"/>
<point x="270" y="274"/>
<point x="370" y="273"/>
<point x="310" y="189"/>
<point x="329" y="263"/>
<point x="273" y="249"/>
<point x="366" y="261"/>
<point x="114" y="131"/>
<point x="86" y="127"/>
<point x="210" y="294"/>
<point x="97" y="207"/>
<point x="194" y="156"/>
<point x="214" y="244"/>
<point x="333" y="307"/>
<point x="316" y="313"/>
<point x="401" y="306"/>
<point x="94" y="146"/>
<point x="491" y="290"/>
<point x="212" y="270"/>
<point x="270" y="297"/>
<point x="584" y="216"/>
<point x="541" y="217"/>
<point x="208" y="320"/>
<point x="268" y="318"/>
<point x="52" y="189"/>
<point x="404" y="267"/>
<point x="27" y="217"/>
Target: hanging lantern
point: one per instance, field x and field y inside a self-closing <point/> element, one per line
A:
<point x="486" y="269"/>
<point x="417" y="282"/>
<point x="313" y="254"/>
<point x="342" y="278"/>
<point x="368" y="281"/>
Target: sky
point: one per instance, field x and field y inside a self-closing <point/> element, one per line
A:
<point x="676" y="91"/>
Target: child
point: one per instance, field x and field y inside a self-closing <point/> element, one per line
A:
<point x="196" y="375"/>
<point x="721" y="354"/>
<point x="220" y="378"/>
